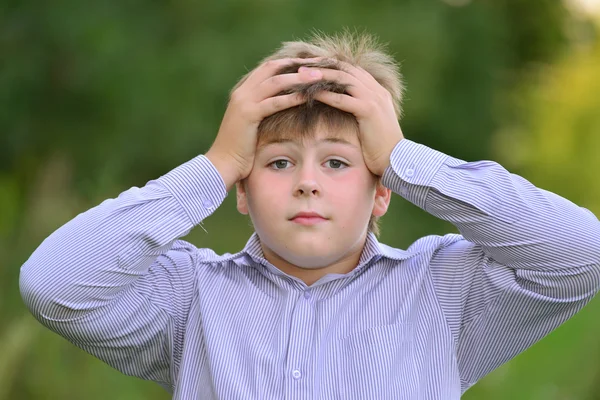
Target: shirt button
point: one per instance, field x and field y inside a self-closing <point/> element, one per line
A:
<point x="307" y="294"/>
<point x="297" y="374"/>
<point x="206" y="203"/>
<point x="410" y="172"/>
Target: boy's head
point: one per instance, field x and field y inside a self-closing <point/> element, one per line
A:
<point x="320" y="167"/>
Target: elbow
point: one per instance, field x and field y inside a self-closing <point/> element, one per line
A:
<point x="34" y="288"/>
<point x="582" y="249"/>
<point x="593" y="237"/>
<point x="595" y="251"/>
<point x="587" y="271"/>
<point x="40" y="291"/>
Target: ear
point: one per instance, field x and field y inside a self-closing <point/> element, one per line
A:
<point x="242" y="199"/>
<point x="383" y="196"/>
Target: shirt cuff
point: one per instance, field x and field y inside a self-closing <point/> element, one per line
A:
<point x="197" y="186"/>
<point x="412" y="168"/>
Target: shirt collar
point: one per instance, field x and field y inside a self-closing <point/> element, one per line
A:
<point x="372" y="252"/>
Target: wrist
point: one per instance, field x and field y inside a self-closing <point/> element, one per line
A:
<point x="386" y="158"/>
<point x="226" y="167"/>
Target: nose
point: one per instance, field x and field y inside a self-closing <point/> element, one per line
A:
<point x="307" y="189"/>
<point x="307" y="184"/>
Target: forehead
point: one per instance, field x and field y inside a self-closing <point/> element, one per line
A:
<point x="320" y="134"/>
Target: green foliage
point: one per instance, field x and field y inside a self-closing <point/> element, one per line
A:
<point x="101" y="96"/>
<point x="556" y="148"/>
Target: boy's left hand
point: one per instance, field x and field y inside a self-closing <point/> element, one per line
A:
<point x="373" y="107"/>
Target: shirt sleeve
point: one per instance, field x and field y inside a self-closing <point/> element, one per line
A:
<point x="525" y="261"/>
<point x="117" y="282"/>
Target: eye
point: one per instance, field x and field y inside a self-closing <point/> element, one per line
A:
<point x="279" y="164"/>
<point x="336" y="164"/>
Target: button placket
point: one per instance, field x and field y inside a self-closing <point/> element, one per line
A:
<point x="300" y="347"/>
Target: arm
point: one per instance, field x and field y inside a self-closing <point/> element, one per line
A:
<point x="527" y="260"/>
<point x="115" y="280"/>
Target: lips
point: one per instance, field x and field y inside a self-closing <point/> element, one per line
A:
<point x="308" y="214"/>
<point x="308" y="218"/>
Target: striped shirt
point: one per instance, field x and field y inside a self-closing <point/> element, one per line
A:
<point x="422" y="323"/>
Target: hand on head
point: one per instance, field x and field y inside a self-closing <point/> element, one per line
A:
<point x="256" y="98"/>
<point x="271" y="88"/>
<point x="370" y="103"/>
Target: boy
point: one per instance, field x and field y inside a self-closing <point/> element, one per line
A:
<point x="314" y="306"/>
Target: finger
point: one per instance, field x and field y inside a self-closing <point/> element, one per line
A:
<point x="361" y="74"/>
<point x="357" y="71"/>
<point x="276" y="84"/>
<point x="271" y="67"/>
<point x="279" y="103"/>
<point x="355" y="87"/>
<point x="365" y="77"/>
<point x="340" y="101"/>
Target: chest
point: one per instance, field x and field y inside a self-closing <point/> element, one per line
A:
<point x="371" y="342"/>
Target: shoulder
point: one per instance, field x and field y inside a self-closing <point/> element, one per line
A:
<point x="435" y="246"/>
<point x="437" y="250"/>
<point x="185" y="258"/>
<point x="432" y="244"/>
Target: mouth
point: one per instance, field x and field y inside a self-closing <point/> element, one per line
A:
<point x="308" y="218"/>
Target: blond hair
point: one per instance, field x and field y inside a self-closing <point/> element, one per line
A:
<point x="360" y="50"/>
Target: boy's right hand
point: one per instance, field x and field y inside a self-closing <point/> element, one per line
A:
<point x="232" y="152"/>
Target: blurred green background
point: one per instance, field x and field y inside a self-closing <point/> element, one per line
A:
<point x="96" y="97"/>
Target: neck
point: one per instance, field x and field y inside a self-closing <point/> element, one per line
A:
<point x="347" y="263"/>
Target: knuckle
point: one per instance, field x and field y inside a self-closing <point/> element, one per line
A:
<point x="337" y="99"/>
<point x="235" y="97"/>
<point x="271" y="64"/>
<point x="276" y="80"/>
<point x="370" y="106"/>
<point x="297" y="98"/>
<point x="277" y="104"/>
<point x="247" y="111"/>
<point x="386" y="95"/>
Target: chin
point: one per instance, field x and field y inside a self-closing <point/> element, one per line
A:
<point x="310" y="249"/>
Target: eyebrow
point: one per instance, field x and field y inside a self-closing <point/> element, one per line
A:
<point x="295" y="142"/>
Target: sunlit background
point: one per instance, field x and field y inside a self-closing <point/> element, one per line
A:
<point x="96" y="97"/>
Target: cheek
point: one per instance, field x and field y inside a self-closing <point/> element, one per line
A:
<point x="355" y="187"/>
<point x="265" y="192"/>
<point x="352" y="201"/>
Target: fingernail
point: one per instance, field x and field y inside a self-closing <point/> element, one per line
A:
<point x="312" y="73"/>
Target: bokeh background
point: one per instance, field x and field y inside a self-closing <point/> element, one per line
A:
<point x="96" y="97"/>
